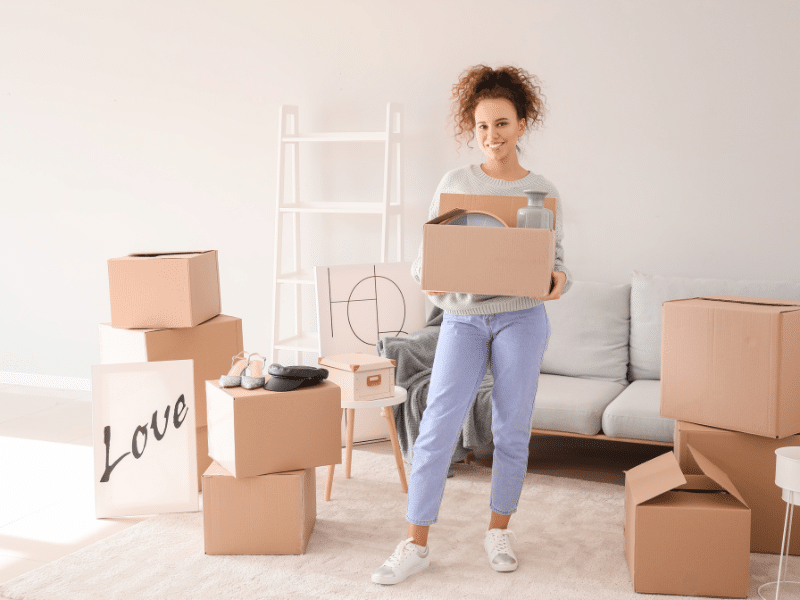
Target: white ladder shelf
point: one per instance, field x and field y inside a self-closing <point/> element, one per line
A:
<point x="289" y="138"/>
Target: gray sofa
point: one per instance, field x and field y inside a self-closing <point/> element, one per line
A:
<point x="601" y="372"/>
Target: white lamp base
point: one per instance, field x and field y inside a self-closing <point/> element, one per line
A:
<point x="790" y="590"/>
<point x="791" y="498"/>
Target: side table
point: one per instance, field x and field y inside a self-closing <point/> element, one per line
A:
<point x="386" y="404"/>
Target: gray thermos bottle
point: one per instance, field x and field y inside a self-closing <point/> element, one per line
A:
<point x="535" y="215"/>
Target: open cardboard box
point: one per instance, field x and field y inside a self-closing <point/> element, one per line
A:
<point x="503" y="261"/>
<point x="732" y="362"/>
<point x="749" y="461"/>
<point x="164" y="289"/>
<point x="686" y="534"/>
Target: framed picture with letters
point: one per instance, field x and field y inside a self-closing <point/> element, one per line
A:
<point x="143" y="425"/>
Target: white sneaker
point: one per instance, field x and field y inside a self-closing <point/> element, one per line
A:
<point x="501" y="556"/>
<point x="407" y="559"/>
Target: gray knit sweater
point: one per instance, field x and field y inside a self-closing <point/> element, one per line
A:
<point x="472" y="180"/>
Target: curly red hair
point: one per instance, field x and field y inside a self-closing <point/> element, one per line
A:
<point x="480" y="82"/>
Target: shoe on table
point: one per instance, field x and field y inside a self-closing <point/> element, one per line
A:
<point x="407" y="559"/>
<point x="501" y="556"/>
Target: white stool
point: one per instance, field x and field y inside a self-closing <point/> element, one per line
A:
<point x="399" y="397"/>
<point x="787" y="477"/>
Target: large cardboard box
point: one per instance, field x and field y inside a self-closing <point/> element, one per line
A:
<point x="211" y="345"/>
<point x="203" y="459"/>
<point x="155" y="290"/>
<point x="749" y="461"/>
<point x="256" y="432"/>
<point x="506" y="261"/>
<point x="732" y="362"/>
<point x="684" y="535"/>
<point x="361" y="376"/>
<point x="268" y="514"/>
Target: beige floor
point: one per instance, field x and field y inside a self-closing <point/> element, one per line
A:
<point x="47" y="482"/>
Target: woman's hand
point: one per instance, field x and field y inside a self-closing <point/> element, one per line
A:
<point x="557" y="282"/>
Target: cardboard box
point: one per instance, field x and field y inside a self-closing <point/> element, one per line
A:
<point x="203" y="459"/>
<point x="268" y="514"/>
<point x="155" y="290"/>
<point x="684" y="535"/>
<point x="732" y="362"/>
<point x="361" y="376"/>
<point x="211" y="345"/>
<point x="749" y="461"/>
<point x="488" y="260"/>
<point x="256" y="432"/>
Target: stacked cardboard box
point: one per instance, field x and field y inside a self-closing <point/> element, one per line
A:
<point x="167" y="307"/>
<point x="730" y="376"/>
<point x="259" y="494"/>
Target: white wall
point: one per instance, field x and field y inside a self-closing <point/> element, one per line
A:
<point x="125" y="126"/>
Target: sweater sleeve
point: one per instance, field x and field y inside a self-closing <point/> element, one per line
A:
<point x="559" y="260"/>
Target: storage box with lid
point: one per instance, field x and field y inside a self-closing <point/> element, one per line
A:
<point x="361" y="376"/>
<point x="164" y="289"/>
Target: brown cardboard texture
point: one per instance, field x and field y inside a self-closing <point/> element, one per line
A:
<point x="686" y="535"/>
<point x="156" y="290"/>
<point x="268" y="514"/>
<point x="361" y="376"/>
<point x="749" y="460"/>
<point x="211" y="345"/>
<point x="732" y="362"/>
<point x="506" y="261"/>
<point x="203" y="459"/>
<point x="256" y="432"/>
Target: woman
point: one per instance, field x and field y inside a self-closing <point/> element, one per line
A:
<point x="497" y="107"/>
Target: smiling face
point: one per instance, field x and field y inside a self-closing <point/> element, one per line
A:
<point x="497" y="128"/>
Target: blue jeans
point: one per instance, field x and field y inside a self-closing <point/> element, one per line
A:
<point x="517" y="341"/>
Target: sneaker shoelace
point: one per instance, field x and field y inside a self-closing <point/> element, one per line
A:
<point x="501" y="540"/>
<point x="402" y="551"/>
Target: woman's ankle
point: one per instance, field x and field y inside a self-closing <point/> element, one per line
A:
<point x="419" y="533"/>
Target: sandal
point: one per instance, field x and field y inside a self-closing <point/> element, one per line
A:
<point x="256" y="379"/>
<point x="234" y="376"/>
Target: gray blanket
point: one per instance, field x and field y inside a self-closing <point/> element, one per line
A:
<point x="414" y="354"/>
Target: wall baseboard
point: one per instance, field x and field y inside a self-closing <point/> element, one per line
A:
<point x="46" y="381"/>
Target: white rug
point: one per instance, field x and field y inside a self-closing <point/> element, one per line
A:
<point x="569" y="544"/>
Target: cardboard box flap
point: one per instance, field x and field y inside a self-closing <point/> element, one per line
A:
<point x="793" y="304"/>
<point x="355" y="361"/>
<point x="215" y="469"/>
<point x="716" y="474"/>
<point x="179" y="254"/>
<point x="654" y="477"/>
<point x="447" y="215"/>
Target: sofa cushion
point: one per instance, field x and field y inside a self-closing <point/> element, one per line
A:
<point x="589" y="328"/>
<point x="636" y="413"/>
<point x="572" y="404"/>
<point x="649" y="292"/>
